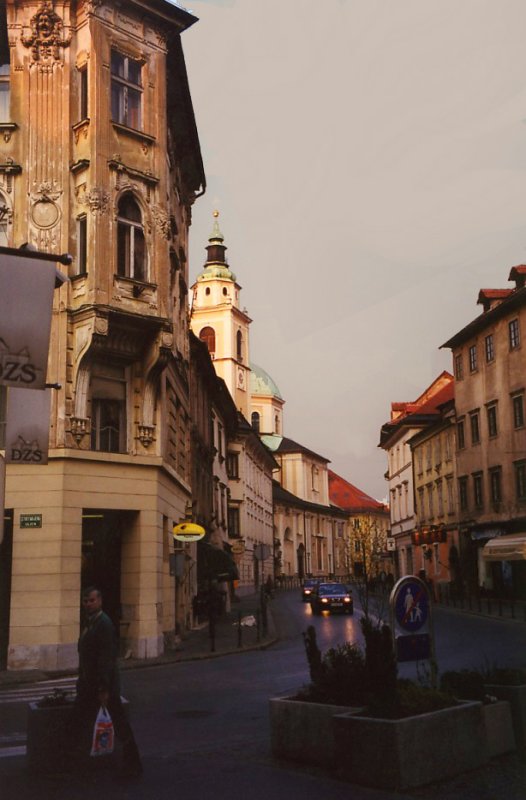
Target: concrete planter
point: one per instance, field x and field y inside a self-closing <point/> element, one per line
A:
<point x="303" y="731"/>
<point x="516" y="696"/>
<point x="499" y="728"/>
<point x="399" y="754"/>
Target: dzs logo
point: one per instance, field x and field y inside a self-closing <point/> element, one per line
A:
<point x="25" y="452"/>
<point x="16" y="368"/>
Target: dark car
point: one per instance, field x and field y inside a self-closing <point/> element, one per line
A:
<point x="331" y="597"/>
<point x="309" y="585"/>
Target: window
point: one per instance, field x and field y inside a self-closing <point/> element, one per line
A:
<point x="82" y="244"/>
<point x="477" y="490"/>
<point x="108" y="409"/>
<point x="518" y="411"/>
<point x="234" y="528"/>
<point x="429" y="457"/>
<point x="83" y="93"/>
<point x="131" y="250"/>
<point x="475" y="428"/>
<point x="489" y="348"/>
<point x="276" y="424"/>
<point x="514" y="334"/>
<point x="520" y="480"/>
<point x="463" y="493"/>
<point x="440" y="498"/>
<point x="473" y="358"/>
<point x="239" y="346"/>
<point x="492" y="420"/>
<point x="420" y="460"/>
<point x="421" y="508"/>
<point x="4" y="92"/>
<point x="255" y="420"/>
<point x="459" y="367"/>
<point x="461" y="442"/>
<point x="126" y="90"/>
<point x="448" y="446"/>
<point x="436" y="559"/>
<point x="450" y="498"/>
<point x="430" y="501"/>
<point x="220" y="440"/>
<point x="232" y="465"/>
<point x="208" y="336"/>
<point x="495" y="476"/>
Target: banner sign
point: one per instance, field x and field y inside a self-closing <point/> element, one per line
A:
<point x="26" y="301"/>
<point x="27" y="427"/>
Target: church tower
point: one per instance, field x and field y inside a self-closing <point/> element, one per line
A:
<point x="217" y="319"/>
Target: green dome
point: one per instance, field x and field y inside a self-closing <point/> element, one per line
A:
<point x="262" y="384"/>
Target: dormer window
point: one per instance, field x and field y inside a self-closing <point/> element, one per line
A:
<point x="131" y="249"/>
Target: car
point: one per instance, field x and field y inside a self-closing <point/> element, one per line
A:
<point x="332" y="597"/>
<point x="309" y="584"/>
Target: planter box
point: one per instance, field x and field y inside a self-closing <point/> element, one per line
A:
<point x="303" y="731"/>
<point x="516" y="696"/>
<point x="500" y="738"/>
<point x="398" y="754"/>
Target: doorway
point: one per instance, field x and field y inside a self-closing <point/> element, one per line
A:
<point x="6" y="568"/>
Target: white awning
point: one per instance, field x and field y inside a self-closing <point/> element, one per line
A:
<point x="506" y="548"/>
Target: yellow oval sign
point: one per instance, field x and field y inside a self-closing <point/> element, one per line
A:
<point x="188" y="532"/>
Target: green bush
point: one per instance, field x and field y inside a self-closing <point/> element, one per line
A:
<point x="465" y="684"/>
<point x="505" y="676"/>
<point x="338" y="677"/>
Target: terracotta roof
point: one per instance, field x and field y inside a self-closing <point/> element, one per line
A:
<point x="283" y="496"/>
<point x="350" y="497"/>
<point x="520" y="269"/>
<point x="514" y="300"/>
<point x="421" y="412"/>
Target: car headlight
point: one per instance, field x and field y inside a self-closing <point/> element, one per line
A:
<point x="306" y="591"/>
<point x="346" y="599"/>
<point x="324" y="600"/>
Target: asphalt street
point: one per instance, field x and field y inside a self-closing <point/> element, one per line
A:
<point x="203" y="728"/>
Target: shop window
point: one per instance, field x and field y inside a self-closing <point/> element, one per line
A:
<point x="126" y="90"/>
<point x="131" y="248"/>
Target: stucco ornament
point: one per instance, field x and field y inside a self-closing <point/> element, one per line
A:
<point x="46" y="34"/>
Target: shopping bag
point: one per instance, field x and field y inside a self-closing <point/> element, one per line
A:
<point x="103" y="734"/>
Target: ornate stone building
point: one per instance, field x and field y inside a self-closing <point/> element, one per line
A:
<point x="100" y="157"/>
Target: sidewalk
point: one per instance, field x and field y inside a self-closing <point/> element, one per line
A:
<point x="230" y="637"/>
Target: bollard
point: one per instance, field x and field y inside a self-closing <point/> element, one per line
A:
<point x="258" y="625"/>
<point x="239" y="630"/>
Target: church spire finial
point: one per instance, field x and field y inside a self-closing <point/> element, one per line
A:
<point x="216" y="234"/>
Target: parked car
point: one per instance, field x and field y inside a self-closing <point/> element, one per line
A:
<point x="331" y="597"/>
<point x="309" y="584"/>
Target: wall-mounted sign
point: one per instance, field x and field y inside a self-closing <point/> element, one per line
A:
<point x="188" y="532"/>
<point x="30" y="520"/>
<point x="27" y="429"/>
<point x="26" y="302"/>
<point x="390" y="544"/>
<point x="238" y="547"/>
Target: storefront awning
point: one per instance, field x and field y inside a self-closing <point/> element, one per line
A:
<point x="214" y="563"/>
<point x="506" y="548"/>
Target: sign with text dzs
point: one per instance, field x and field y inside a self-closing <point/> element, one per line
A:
<point x="27" y="427"/>
<point x="410" y="603"/>
<point x="26" y="301"/>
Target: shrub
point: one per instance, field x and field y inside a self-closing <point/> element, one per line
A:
<point x="505" y="676"/>
<point x="466" y="684"/>
<point x="338" y="677"/>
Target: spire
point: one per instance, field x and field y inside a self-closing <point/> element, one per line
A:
<point x="216" y="265"/>
<point x="216" y="248"/>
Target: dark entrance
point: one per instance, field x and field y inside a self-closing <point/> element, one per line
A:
<point x="102" y="532"/>
<point x="6" y="566"/>
<point x="301" y="560"/>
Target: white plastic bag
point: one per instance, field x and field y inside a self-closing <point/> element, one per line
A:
<point x="103" y="734"/>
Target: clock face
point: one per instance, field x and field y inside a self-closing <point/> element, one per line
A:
<point x="241" y="379"/>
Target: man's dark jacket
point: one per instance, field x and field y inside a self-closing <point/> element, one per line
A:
<point x="98" y="657"/>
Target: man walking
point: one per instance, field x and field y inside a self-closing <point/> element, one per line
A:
<point x="98" y="683"/>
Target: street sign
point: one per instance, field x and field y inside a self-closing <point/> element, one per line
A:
<point x="410" y="603"/>
<point x="238" y="547"/>
<point x="30" y="520"/>
<point x="188" y="532"/>
<point x="262" y="552"/>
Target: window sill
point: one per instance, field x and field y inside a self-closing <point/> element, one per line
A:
<point x="137" y="286"/>
<point x="78" y="276"/>
<point x="134" y="133"/>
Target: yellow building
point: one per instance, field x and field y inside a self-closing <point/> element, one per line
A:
<point x="100" y="158"/>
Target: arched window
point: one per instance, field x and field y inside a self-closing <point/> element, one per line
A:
<point x="255" y="421"/>
<point x="239" y="346"/>
<point x="208" y="336"/>
<point x="276" y="424"/>
<point x="131" y="249"/>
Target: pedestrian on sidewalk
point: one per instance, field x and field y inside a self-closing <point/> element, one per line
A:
<point x="98" y="683"/>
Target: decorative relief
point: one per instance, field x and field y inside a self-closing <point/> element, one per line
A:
<point x="45" y="211"/>
<point x="96" y="199"/>
<point x="80" y="426"/>
<point x="46" y="36"/>
<point x="162" y="221"/>
<point x="146" y="434"/>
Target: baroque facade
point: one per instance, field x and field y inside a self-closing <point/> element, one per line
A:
<point x="100" y="158"/>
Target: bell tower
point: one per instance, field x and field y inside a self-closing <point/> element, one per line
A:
<point x="217" y="319"/>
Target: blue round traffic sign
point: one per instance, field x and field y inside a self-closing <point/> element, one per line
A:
<point x="412" y="605"/>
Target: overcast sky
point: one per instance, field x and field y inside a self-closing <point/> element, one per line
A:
<point x="368" y="159"/>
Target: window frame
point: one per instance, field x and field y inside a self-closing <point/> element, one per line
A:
<point x="495" y="482"/>
<point x="5" y="91"/>
<point x="518" y="417"/>
<point x="83" y="93"/>
<point x="459" y="367"/>
<point x="520" y="480"/>
<point x="489" y="348"/>
<point x="514" y="334"/>
<point x="473" y="358"/>
<point x="491" y="415"/>
<point x="126" y="88"/>
<point x="474" y="427"/>
<point x="82" y="244"/>
<point x="478" y="490"/>
<point x="463" y="501"/>
<point x="126" y="260"/>
<point x="461" y="435"/>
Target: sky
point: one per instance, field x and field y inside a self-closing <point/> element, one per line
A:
<point x="367" y="158"/>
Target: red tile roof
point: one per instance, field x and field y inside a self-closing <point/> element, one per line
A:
<point x="350" y="498"/>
